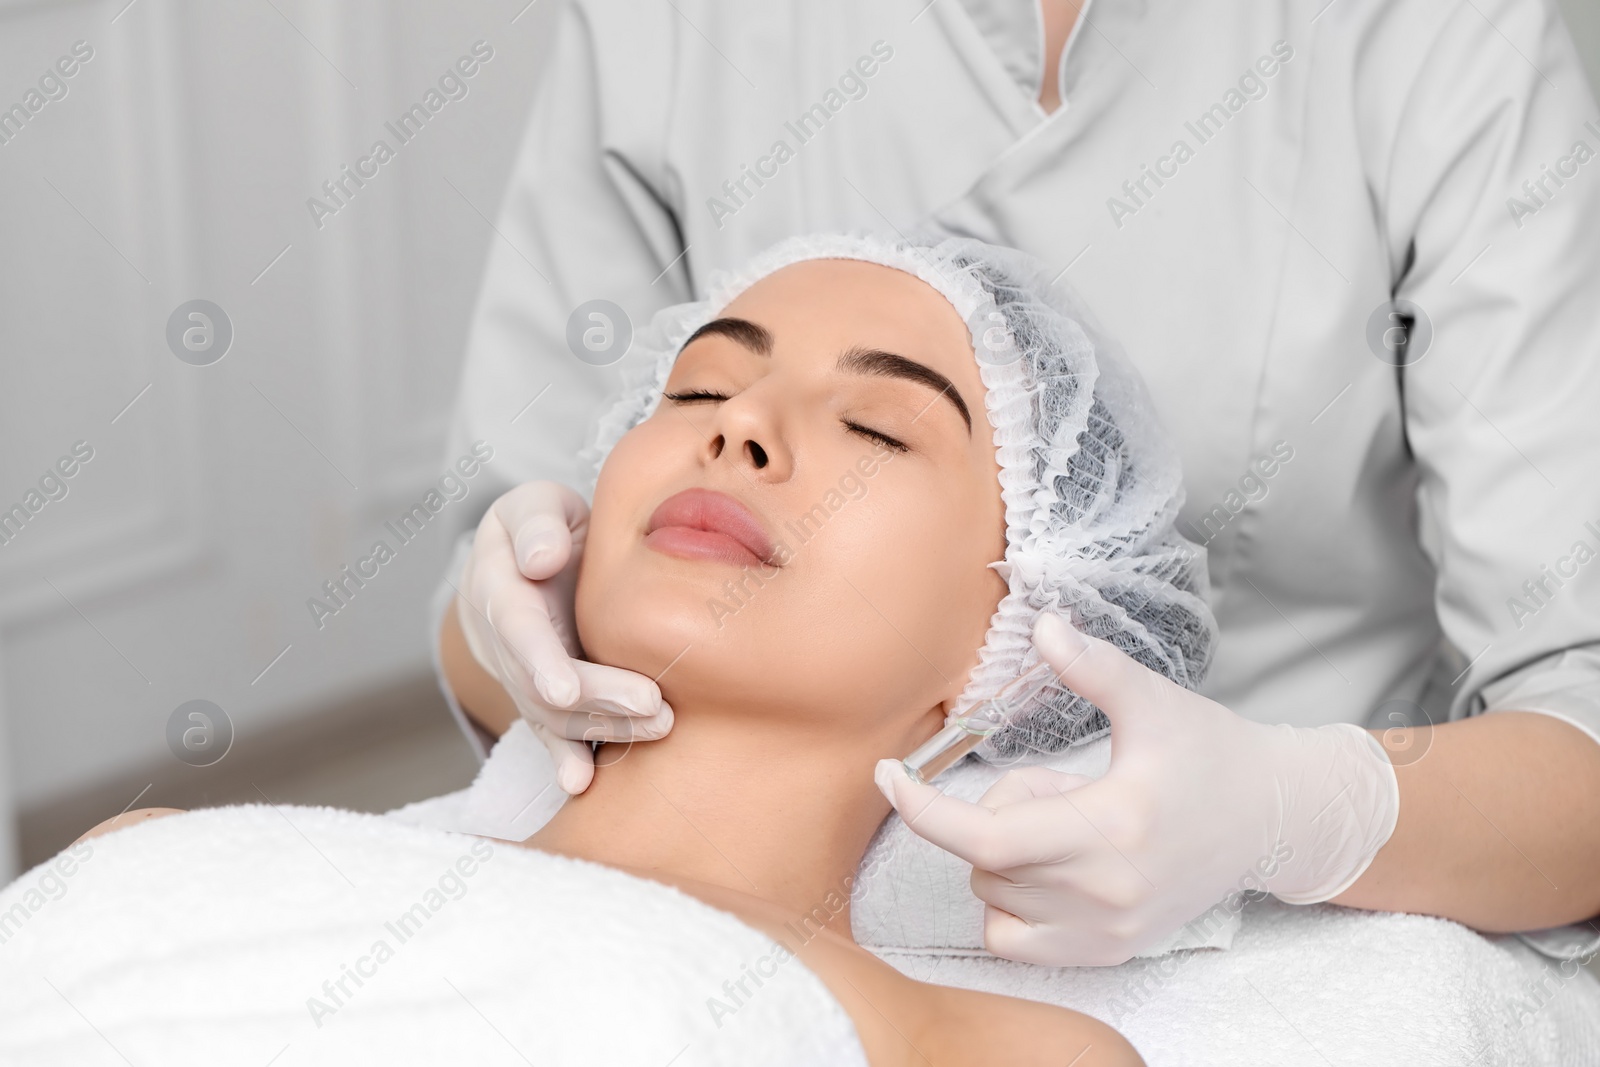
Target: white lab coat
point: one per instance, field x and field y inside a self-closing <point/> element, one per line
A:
<point x="1236" y="188"/>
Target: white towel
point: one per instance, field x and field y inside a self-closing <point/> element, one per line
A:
<point x="224" y="936"/>
<point x="908" y="893"/>
<point x="291" y="936"/>
<point x="1319" y="986"/>
<point x="1315" y="985"/>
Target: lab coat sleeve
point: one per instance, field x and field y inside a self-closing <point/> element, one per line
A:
<point x="587" y="215"/>
<point x="1500" y="410"/>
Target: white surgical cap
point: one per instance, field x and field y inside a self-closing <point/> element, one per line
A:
<point x="1090" y="483"/>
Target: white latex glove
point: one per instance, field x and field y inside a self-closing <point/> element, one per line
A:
<point x="1198" y="803"/>
<point x="515" y="607"/>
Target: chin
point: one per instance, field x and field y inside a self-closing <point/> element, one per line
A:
<point x="655" y="617"/>
<point x="642" y="619"/>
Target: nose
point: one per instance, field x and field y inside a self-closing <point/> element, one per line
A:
<point x="747" y="431"/>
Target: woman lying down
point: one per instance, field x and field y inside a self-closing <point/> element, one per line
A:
<point x="824" y="525"/>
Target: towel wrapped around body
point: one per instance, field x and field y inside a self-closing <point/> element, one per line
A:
<point x="286" y="936"/>
<point x="1260" y="982"/>
<point x="282" y="935"/>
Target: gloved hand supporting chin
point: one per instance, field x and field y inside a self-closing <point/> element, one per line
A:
<point x="515" y="610"/>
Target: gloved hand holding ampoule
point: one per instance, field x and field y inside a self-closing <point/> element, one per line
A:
<point x="1089" y="871"/>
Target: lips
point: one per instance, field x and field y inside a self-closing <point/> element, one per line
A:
<point x="705" y="524"/>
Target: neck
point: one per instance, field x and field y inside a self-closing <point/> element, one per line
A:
<point x="775" y="811"/>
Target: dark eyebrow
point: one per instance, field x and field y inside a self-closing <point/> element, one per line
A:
<point x="756" y="338"/>
<point x="889" y="365"/>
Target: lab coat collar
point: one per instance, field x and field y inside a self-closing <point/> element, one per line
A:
<point x="1012" y="33"/>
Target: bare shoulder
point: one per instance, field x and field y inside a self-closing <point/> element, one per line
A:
<point x="129" y="818"/>
<point x="979" y="1027"/>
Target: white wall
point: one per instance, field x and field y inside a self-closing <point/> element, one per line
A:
<point x="178" y="166"/>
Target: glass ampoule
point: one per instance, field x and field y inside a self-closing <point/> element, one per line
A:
<point x="961" y="735"/>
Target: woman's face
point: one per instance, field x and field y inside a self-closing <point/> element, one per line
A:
<point x="802" y="528"/>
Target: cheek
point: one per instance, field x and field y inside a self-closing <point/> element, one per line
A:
<point x="900" y="579"/>
<point x="944" y="570"/>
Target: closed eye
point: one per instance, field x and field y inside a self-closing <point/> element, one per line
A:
<point x="695" y="396"/>
<point x="873" y="435"/>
